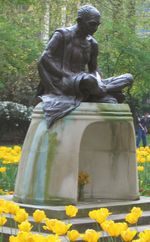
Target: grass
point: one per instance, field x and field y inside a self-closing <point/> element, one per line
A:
<point x="9" y="158"/>
<point x="148" y="139"/>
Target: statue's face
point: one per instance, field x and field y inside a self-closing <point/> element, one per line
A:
<point x="90" y="25"/>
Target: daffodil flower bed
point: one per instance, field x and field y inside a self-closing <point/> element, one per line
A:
<point x="9" y="159"/>
<point x="57" y="228"/>
<point x="143" y="160"/>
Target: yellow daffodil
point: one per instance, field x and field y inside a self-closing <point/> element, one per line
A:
<point x="142" y="160"/>
<point x="12" y="207"/>
<point x="93" y="214"/>
<point x="132" y="218"/>
<point x="39" y="216"/>
<point x="23" y="236"/>
<point x="13" y="239"/>
<point x="123" y="226"/>
<point x="49" y="224"/>
<point x="17" y="148"/>
<point x="140" y="168"/>
<point x="10" y="155"/>
<point x="21" y="216"/>
<point x="105" y="211"/>
<point x="114" y="229"/>
<point x="71" y="210"/>
<point x="73" y="235"/>
<point x="137" y="210"/>
<point x="106" y="224"/>
<point x="145" y="235"/>
<point x="2" y="202"/>
<point x="25" y="226"/>
<point x="148" y="158"/>
<point x="60" y="228"/>
<point x="3" y="207"/>
<point x="91" y="235"/>
<point x="128" y="235"/>
<point x="100" y="215"/>
<point x="2" y="169"/>
<point x="37" y="238"/>
<point x="52" y="238"/>
<point x="3" y="220"/>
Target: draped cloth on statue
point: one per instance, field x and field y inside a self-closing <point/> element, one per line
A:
<point x="56" y="107"/>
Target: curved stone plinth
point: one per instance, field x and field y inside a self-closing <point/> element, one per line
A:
<point x="95" y="138"/>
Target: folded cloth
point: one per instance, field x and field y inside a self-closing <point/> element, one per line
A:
<point x="56" y="106"/>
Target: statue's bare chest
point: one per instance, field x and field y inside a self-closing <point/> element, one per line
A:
<point x="81" y="51"/>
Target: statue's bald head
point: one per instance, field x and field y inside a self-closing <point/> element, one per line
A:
<point x="88" y="11"/>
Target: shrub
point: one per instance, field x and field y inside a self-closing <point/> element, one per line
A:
<point x="14" y="121"/>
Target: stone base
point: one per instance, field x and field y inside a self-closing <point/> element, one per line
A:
<point x="115" y="206"/>
<point x="95" y="138"/>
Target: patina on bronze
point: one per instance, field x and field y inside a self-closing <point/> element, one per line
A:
<point x="68" y="69"/>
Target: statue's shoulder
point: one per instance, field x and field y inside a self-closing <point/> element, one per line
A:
<point x="65" y="31"/>
<point x="65" y="34"/>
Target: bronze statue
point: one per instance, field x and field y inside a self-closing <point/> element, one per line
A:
<point x="68" y="69"/>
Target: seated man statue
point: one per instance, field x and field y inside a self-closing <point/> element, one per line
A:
<point x="68" y="69"/>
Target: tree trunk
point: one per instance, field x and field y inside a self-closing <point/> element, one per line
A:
<point x="46" y="22"/>
<point x="63" y="16"/>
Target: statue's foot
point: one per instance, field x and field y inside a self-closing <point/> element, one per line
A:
<point x="119" y="96"/>
<point x="129" y="76"/>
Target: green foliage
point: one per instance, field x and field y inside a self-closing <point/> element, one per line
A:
<point x="7" y="179"/>
<point x="12" y="111"/>
<point x="143" y="159"/>
<point x="144" y="180"/>
<point x="123" y="49"/>
<point x="14" y="121"/>
<point x="9" y="158"/>
<point x="20" y="46"/>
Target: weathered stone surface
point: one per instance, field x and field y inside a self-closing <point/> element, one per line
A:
<point x="95" y="138"/>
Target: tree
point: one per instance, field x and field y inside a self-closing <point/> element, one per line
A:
<point x="20" y="45"/>
<point x="122" y="49"/>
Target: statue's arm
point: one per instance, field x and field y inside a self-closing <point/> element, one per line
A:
<point x="92" y="65"/>
<point x="55" y="44"/>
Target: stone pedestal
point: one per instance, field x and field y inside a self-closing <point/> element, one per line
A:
<point x="95" y="138"/>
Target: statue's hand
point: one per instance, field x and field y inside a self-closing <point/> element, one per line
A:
<point x="102" y="89"/>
